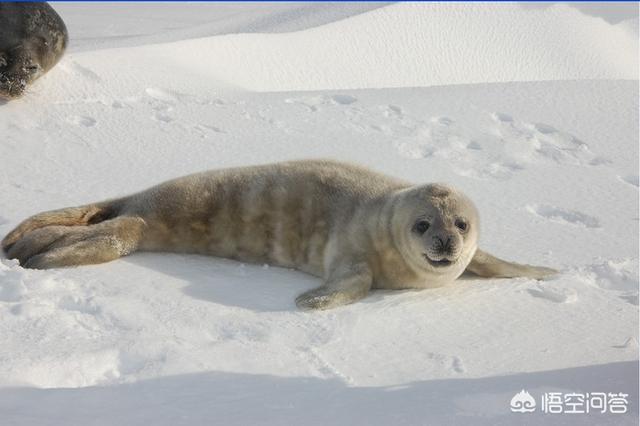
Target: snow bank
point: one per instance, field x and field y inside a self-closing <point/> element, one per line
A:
<point x="105" y="25"/>
<point x="412" y="44"/>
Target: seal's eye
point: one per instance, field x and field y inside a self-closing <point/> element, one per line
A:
<point x="422" y="226"/>
<point x="462" y="225"/>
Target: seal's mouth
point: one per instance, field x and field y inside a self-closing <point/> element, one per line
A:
<point x="437" y="263"/>
<point x="8" y="96"/>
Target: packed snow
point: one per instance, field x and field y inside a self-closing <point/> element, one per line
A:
<point x="533" y="112"/>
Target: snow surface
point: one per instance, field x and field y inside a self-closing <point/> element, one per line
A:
<point x="543" y="136"/>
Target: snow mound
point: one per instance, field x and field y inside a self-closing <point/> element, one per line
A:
<point x="410" y="44"/>
<point x="101" y="26"/>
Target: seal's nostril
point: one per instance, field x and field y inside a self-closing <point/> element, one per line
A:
<point x="438" y="244"/>
<point x="442" y="246"/>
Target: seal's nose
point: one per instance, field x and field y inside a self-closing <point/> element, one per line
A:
<point x="443" y="246"/>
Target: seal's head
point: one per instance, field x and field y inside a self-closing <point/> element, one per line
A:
<point x="18" y="69"/>
<point x="436" y="230"/>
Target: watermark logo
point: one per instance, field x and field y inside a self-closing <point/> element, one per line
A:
<point x="571" y="403"/>
<point x="523" y="402"/>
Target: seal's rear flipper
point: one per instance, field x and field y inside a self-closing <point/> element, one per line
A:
<point x="59" y="246"/>
<point x="488" y="266"/>
<point x="71" y="216"/>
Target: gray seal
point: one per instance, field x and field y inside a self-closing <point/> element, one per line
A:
<point x="33" y="38"/>
<point x="355" y="228"/>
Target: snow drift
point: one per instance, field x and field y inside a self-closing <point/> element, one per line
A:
<point x="412" y="44"/>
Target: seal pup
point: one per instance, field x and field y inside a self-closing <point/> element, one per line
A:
<point x="33" y="38"/>
<point x="355" y="228"/>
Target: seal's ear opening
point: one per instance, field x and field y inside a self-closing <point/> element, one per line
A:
<point x="3" y="60"/>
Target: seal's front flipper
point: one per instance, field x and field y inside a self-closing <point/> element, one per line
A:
<point x="486" y="265"/>
<point x="349" y="287"/>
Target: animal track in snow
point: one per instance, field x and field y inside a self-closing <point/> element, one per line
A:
<point x="209" y="128"/>
<point x="323" y="366"/>
<point x="163" y="117"/>
<point x="545" y="129"/>
<point x="630" y="343"/>
<point x="12" y="289"/>
<point x="630" y="179"/>
<point x="556" y="214"/>
<point x="76" y="304"/>
<point x="162" y="102"/>
<point x="392" y="111"/>
<point x="82" y="120"/>
<point x="494" y="146"/>
<point x="442" y="121"/>
<point x="474" y="145"/>
<point x="79" y="70"/>
<point x="162" y="95"/>
<point x="315" y="103"/>
<point x="501" y="117"/>
<point x="613" y="275"/>
<point x="343" y="99"/>
<point x="451" y="362"/>
<point x="457" y="365"/>
<point x="531" y="142"/>
<point x="598" y="161"/>
<point x="553" y="294"/>
<point x="630" y="298"/>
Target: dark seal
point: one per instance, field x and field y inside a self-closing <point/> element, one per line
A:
<point x="33" y="38"/>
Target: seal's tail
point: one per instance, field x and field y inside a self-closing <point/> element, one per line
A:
<point x="94" y="233"/>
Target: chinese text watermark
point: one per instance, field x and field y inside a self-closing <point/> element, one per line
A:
<point x="571" y="403"/>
